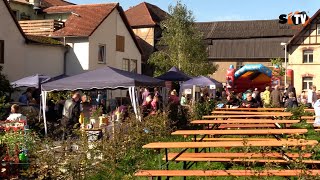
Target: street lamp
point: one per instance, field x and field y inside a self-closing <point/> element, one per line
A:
<point x="285" y="61"/>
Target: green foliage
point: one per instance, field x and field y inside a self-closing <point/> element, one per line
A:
<point x="19" y="138"/>
<point x="184" y="46"/>
<point x="278" y="63"/>
<point x="5" y="86"/>
<point x="202" y="109"/>
<point x="5" y="89"/>
<point x="55" y="96"/>
<point x="4" y="106"/>
<point x="298" y="112"/>
<point x="115" y="156"/>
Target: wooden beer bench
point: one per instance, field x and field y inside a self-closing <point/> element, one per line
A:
<point x="241" y="132"/>
<point x="245" y="123"/>
<point x="251" y="113"/>
<point x="219" y="173"/>
<point x="250" y="109"/>
<point x="187" y="145"/>
<point x="243" y="116"/>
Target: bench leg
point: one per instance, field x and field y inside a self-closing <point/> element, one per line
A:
<point x="184" y="168"/>
<point x="159" y="159"/>
<point x="167" y="160"/>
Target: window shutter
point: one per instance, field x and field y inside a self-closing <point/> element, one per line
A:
<point x="120" y="43"/>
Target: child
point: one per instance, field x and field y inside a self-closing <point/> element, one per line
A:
<point x="15" y="114"/>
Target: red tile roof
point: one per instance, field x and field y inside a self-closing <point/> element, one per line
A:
<point x="145" y="14"/>
<point x="50" y="3"/>
<point x="84" y="19"/>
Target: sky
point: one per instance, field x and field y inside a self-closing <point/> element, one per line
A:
<point x="228" y="10"/>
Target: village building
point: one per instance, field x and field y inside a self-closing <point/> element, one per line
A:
<point x="99" y="35"/>
<point x="145" y="19"/>
<point x="96" y="35"/>
<point x="32" y="9"/>
<point x="24" y="55"/>
<point x="243" y="42"/>
<point x="304" y="55"/>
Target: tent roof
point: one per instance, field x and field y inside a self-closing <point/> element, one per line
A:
<point x="201" y="81"/>
<point x="31" y="81"/>
<point x="102" y="78"/>
<point x="174" y="74"/>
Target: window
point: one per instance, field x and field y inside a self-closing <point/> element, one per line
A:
<point x="125" y="64"/>
<point x="102" y="53"/>
<point x="120" y="43"/>
<point x="307" y="83"/>
<point x="1" y="51"/>
<point x="134" y="66"/>
<point x="308" y="56"/>
<point x="239" y="64"/>
<point x="318" y="30"/>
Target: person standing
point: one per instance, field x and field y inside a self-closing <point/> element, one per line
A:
<point x="312" y="96"/>
<point x="71" y="114"/>
<point x="145" y="94"/>
<point x="256" y="95"/>
<point x="289" y="89"/>
<point x="276" y="97"/>
<point x="316" y="107"/>
<point x="266" y="97"/>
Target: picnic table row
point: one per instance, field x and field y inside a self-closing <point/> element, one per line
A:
<point x="258" y="109"/>
<point x="204" y="140"/>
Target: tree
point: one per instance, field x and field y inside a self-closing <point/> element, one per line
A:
<point x="5" y="86"/>
<point x="277" y="62"/>
<point x="183" y="44"/>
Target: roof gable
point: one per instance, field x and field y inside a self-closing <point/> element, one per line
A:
<point x="313" y="19"/>
<point x="84" y="19"/>
<point x="145" y="14"/>
<point x="244" y="29"/>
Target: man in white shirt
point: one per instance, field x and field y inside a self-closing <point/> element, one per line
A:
<point x="317" y="111"/>
<point x="312" y="95"/>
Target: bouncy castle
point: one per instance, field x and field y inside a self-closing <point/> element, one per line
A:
<point x="253" y="76"/>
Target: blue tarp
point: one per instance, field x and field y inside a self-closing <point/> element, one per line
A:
<point x="201" y="81"/>
<point x="253" y="67"/>
<point x="31" y="81"/>
<point x="102" y="78"/>
<point x="174" y="74"/>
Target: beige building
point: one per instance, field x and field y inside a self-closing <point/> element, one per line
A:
<point x="145" y="19"/>
<point x="22" y="55"/>
<point x="97" y="34"/>
<point x="304" y="55"/>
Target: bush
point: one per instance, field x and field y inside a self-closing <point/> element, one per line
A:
<point x="204" y="108"/>
<point x="116" y="156"/>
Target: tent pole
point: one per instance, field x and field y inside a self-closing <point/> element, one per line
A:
<point x="44" y="104"/>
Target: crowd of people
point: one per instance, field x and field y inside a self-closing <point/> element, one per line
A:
<point x="277" y="97"/>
